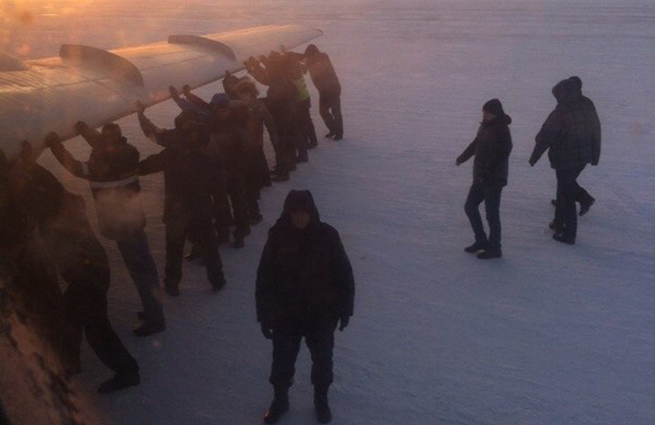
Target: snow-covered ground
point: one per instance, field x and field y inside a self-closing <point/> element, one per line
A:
<point x="550" y="334"/>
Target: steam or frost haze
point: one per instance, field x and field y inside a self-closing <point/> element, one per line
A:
<point x="550" y="334"/>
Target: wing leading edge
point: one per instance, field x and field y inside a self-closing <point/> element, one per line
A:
<point x="98" y="86"/>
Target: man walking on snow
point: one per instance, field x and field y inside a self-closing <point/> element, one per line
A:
<point x="571" y="134"/>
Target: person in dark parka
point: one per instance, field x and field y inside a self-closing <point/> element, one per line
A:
<point x="572" y="136"/>
<point x="305" y="287"/>
<point x="491" y="148"/>
<point x="582" y="197"/>
<point x="327" y="83"/>
<point x="191" y="176"/>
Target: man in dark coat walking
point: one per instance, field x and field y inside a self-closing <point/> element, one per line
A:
<point x="571" y="134"/>
<point x="305" y="287"/>
<point x="491" y="148"/>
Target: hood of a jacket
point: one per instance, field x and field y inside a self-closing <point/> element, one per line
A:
<point x="297" y="200"/>
<point x="501" y="120"/>
<point x="567" y="90"/>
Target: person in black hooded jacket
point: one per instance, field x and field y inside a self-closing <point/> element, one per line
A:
<point x="491" y="148"/>
<point x="572" y="136"/>
<point x="305" y="287"/>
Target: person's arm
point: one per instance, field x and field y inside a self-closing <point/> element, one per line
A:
<point x="503" y="148"/>
<point x="546" y="137"/>
<point x="158" y="135"/>
<point x="468" y="153"/>
<point x="65" y="158"/>
<point x="196" y="101"/>
<point x="264" y="289"/>
<point x="257" y="71"/>
<point x="155" y="163"/>
<point x="89" y="134"/>
<point x="343" y="276"/>
<point x="597" y="137"/>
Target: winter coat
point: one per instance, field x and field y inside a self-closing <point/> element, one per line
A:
<point x="323" y="74"/>
<point x="572" y="132"/>
<point x="261" y="117"/>
<point x="304" y="276"/>
<point x="62" y="220"/>
<point x="491" y="148"/>
<point x="112" y="172"/>
<point x="232" y="138"/>
<point x="191" y="176"/>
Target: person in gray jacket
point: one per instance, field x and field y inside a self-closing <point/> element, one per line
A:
<point x="571" y="134"/>
<point x="491" y="149"/>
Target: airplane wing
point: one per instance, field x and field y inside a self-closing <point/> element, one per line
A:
<point x="99" y="86"/>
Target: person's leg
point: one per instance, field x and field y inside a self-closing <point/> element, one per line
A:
<point x="320" y="342"/>
<point x="326" y="115"/>
<point x="566" y="208"/>
<point x="175" y="238"/>
<point x="205" y="238"/>
<point x="335" y="107"/>
<point x="492" y="209"/>
<point x="236" y="190"/>
<point x="86" y="297"/>
<point x="309" y="130"/>
<point x="584" y="199"/>
<point x="286" y="344"/>
<point x="473" y="201"/>
<point x="138" y="260"/>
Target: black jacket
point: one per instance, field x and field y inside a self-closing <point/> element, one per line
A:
<point x="572" y="132"/>
<point x="304" y="276"/>
<point x="323" y="75"/>
<point x="112" y="172"/>
<point x="191" y="176"/>
<point x="491" y="148"/>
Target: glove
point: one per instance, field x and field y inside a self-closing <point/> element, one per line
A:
<point x="51" y="139"/>
<point x="80" y="126"/>
<point x="267" y="332"/>
<point x="344" y="320"/>
<point x="140" y="107"/>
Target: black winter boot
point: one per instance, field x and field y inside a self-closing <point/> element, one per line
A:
<point x="477" y="246"/>
<point x="120" y="381"/>
<point x="488" y="254"/>
<point x="323" y="413"/>
<point x="279" y="406"/>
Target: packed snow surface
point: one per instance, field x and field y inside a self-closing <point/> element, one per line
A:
<point x="550" y="334"/>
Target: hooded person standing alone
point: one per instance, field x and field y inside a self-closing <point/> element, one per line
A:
<point x="305" y="287"/>
<point x="491" y="148"/>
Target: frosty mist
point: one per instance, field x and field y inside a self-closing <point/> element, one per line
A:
<point x="548" y="336"/>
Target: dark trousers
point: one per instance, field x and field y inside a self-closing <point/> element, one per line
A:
<point x="136" y="254"/>
<point x="566" y="217"/>
<point x="491" y="197"/>
<point x="237" y="192"/>
<point x="329" y="107"/>
<point x="85" y="303"/>
<point x="306" y="124"/>
<point x="286" y="345"/>
<point x="202" y="237"/>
